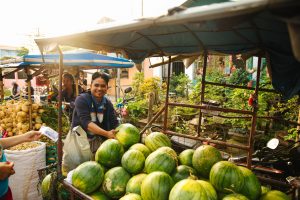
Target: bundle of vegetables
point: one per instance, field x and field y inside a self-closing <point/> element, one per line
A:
<point x="197" y="174"/>
<point x="14" y="116"/>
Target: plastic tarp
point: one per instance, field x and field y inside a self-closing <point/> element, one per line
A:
<point x="228" y="27"/>
<point x="75" y="59"/>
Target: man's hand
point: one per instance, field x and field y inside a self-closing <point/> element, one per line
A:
<point x="32" y="136"/>
<point x="111" y="134"/>
<point x="6" y="169"/>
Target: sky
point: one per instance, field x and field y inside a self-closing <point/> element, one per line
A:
<point x="22" y="20"/>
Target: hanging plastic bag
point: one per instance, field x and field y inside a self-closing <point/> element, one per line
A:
<point x="76" y="149"/>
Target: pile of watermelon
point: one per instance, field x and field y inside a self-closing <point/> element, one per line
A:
<point x="128" y="170"/>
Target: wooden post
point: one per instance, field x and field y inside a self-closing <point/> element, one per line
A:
<point x="76" y="81"/>
<point x="254" y="116"/>
<point x="1" y="85"/>
<point x="202" y="91"/>
<point x="29" y="77"/>
<point x="167" y="96"/>
<point x="150" y="107"/>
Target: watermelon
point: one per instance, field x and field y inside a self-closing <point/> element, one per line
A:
<point x="110" y="153"/>
<point x="275" y="194"/>
<point x="131" y="197"/>
<point x="115" y="181"/>
<point x="252" y="187"/>
<point x="156" y="186"/>
<point x="235" y="197"/>
<point x="99" y="196"/>
<point x="133" y="161"/>
<point x="226" y="177"/>
<point x="88" y="176"/>
<point x="160" y="161"/>
<point x="183" y="172"/>
<point x="134" y="184"/>
<point x="127" y="135"/>
<point x="187" y="189"/>
<point x="264" y="189"/>
<point x="186" y="157"/>
<point x="142" y="148"/>
<point x="204" y="158"/>
<point x="157" y="139"/>
<point x="46" y="183"/>
<point x="170" y="151"/>
<point x="210" y="191"/>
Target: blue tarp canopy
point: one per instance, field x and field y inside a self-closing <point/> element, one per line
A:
<point x="86" y="59"/>
<point x="230" y="27"/>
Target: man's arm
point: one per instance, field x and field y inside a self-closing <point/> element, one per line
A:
<point x="27" y="137"/>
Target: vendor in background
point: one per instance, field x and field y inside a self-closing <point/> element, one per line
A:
<point x="6" y="167"/>
<point x="25" y="89"/>
<point x="82" y="82"/>
<point x="15" y="91"/>
<point x="68" y="94"/>
<point x="95" y="113"/>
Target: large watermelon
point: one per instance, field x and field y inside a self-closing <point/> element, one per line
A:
<point x="170" y="151"/>
<point x="110" y="153"/>
<point x="142" y="148"/>
<point x="275" y="194"/>
<point x="99" y="196"/>
<point x="210" y="191"/>
<point x="133" y="161"/>
<point x="252" y="187"/>
<point x="134" y="184"/>
<point x="226" y="177"/>
<point x="186" y="157"/>
<point x="88" y="176"/>
<point x="264" y="189"/>
<point x="115" y="181"/>
<point x="156" y="186"/>
<point x="157" y="139"/>
<point x="187" y="189"/>
<point x="160" y="161"/>
<point x="204" y="158"/>
<point x="131" y="197"/>
<point x="127" y="135"/>
<point x="183" y="172"/>
<point x="235" y="197"/>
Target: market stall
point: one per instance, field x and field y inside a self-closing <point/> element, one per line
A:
<point x="232" y="27"/>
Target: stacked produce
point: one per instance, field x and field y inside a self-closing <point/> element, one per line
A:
<point x="14" y="117"/>
<point x="153" y="171"/>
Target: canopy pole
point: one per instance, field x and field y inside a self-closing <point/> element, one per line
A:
<point x="59" y="142"/>
<point x="202" y="91"/>
<point x="167" y="96"/>
<point x="29" y="77"/>
<point x="76" y="81"/>
<point x="1" y="85"/>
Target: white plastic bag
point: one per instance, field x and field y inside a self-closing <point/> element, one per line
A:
<point x="24" y="183"/>
<point x="76" y="149"/>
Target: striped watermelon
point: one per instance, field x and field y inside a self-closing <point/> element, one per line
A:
<point x="142" y="148"/>
<point x="156" y="186"/>
<point x="157" y="139"/>
<point x="235" y="197"/>
<point x="275" y="195"/>
<point x="131" y="197"/>
<point x="204" y="158"/>
<point x="183" y="172"/>
<point x="134" y="184"/>
<point x="187" y="189"/>
<point x="186" y="157"/>
<point x="160" y="161"/>
<point x="252" y="187"/>
<point x="115" y="181"/>
<point x="127" y="135"/>
<point x="46" y="183"/>
<point x="110" y="153"/>
<point x="210" y="191"/>
<point x="133" y="161"/>
<point x="99" y="196"/>
<point x="226" y="177"/>
<point x="88" y="176"/>
<point x="170" y="151"/>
